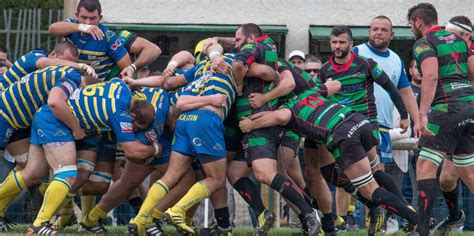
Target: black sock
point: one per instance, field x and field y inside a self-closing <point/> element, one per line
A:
<point x="451" y="199"/>
<point x="136" y="203"/>
<point x="327" y="223"/>
<point x="291" y="192"/>
<point x="248" y="190"/>
<point x="426" y="197"/>
<point x="308" y="198"/>
<point x="365" y="201"/>
<point x="387" y="182"/>
<point x="393" y="203"/>
<point x="222" y="217"/>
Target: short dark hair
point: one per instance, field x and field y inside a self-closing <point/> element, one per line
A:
<point x="312" y="58"/>
<point x="461" y="19"/>
<point x="90" y="5"/>
<point x="3" y="49"/>
<point x="64" y="46"/>
<point x="383" y="17"/>
<point x="341" y="29"/>
<point x="251" y="28"/>
<point x="425" y="11"/>
<point x="144" y="112"/>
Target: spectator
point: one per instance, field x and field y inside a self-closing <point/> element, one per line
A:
<point x="297" y="57"/>
<point x="3" y="57"/>
<point x="312" y="65"/>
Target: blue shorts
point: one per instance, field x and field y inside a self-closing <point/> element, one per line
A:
<point x="46" y="128"/>
<point x="164" y="140"/>
<point x="385" y="146"/>
<point x="200" y="133"/>
<point x="6" y="131"/>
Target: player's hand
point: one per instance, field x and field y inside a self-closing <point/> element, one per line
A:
<point x="87" y="69"/>
<point x="257" y="100"/>
<point x="246" y="125"/>
<point x="416" y="130"/>
<point x="127" y="72"/>
<point x="169" y="71"/>
<point x="129" y="81"/>
<point x="209" y="42"/>
<point x="404" y="125"/>
<point x="79" y="134"/>
<point x="424" y="126"/>
<point x="219" y="65"/>
<point x="93" y="30"/>
<point x="219" y="100"/>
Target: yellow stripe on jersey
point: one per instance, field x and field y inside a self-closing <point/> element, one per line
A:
<point x="82" y="114"/>
<point x="24" y="102"/>
<point x="38" y="92"/>
<point x="23" y="58"/>
<point x="45" y="81"/>
<point x="28" y="90"/>
<point x="103" y="73"/>
<point x="21" y="68"/>
<point x="12" y="72"/>
<point x="7" y="119"/>
<point x="103" y="66"/>
<point x="226" y="83"/>
<point x="112" y="89"/>
<point x="22" y="116"/>
<point x="155" y="97"/>
<point x="10" y="113"/>
<point x="87" y="52"/>
<point x="104" y="109"/>
<point x="89" y="114"/>
<point x="96" y="110"/>
<point x="114" y="109"/>
<point x="213" y="87"/>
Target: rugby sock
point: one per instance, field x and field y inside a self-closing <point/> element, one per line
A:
<point x="327" y="223"/>
<point x="393" y="203"/>
<point x="155" y="194"/>
<point x="426" y="197"/>
<point x="222" y="217"/>
<point x="248" y="190"/>
<point x="136" y="203"/>
<point x="95" y="215"/>
<point x="42" y="188"/>
<point x="311" y="201"/>
<point x="53" y="197"/>
<point x="290" y="192"/>
<point x="9" y="189"/>
<point x="196" y="194"/>
<point x="451" y="199"/>
<point x="387" y="182"/>
<point x="157" y="214"/>
<point x="87" y="203"/>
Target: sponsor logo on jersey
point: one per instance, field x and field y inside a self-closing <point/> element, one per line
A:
<point x="126" y="127"/>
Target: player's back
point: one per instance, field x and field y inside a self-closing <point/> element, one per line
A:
<point x="21" y="67"/>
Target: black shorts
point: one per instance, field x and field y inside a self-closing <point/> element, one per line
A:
<point x="453" y="129"/>
<point x="20" y="135"/>
<point x="232" y="136"/>
<point x="105" y="149"/>
<point x="262" y="143"/>
<point x="309" y="143"/>
<point x="351" y="140"/>
<point x="291" y="140"/>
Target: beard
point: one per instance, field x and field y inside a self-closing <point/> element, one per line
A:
<point x="343" y="54"/>
<point x="379" y="46"/>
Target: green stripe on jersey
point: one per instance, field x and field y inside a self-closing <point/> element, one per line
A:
<point x="452" y="69"/>
<point x="447" y="49"/>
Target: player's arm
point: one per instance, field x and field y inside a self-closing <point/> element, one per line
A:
<point x="410" y="102"/>
<point x="182" y="59"/>
<point x="45" y="62"/>
<point x="470" y="64"/>
<point x="151" y="81"/>
<point x="64" y="28"/>
<point x="140" y="151"/>
<point x="285" y="85"/>
<point x="263" y="72"/>
<point x="57" y="101"/>
<point x="147" y="52"/>
<point x="265" y="119"/>
<point x="329" y="88"/>
<point x="189" y="102"/>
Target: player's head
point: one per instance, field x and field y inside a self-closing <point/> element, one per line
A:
<point x="414" y="72"/>
<point x="462" y="27"/>
<point x="312" y="65"/>
<point x="3" y="68"/>
<point x="89" y="12"/>
<point x="421" y="17"/>
<point x="340" y="40"/>
<point x="380" y="32"/>
<point x="142" y="113"/>
<point x="247" y="33"/>
<point x="66" y="51"/>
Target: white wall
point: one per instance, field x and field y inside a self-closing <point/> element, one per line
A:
<point x="296" y="14"/>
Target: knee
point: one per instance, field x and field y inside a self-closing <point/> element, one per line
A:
<point x="95" y="188"/>
<point x="67" y="173"/>
<point x="264" y="177"/>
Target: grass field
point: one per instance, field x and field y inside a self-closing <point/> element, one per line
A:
<point x="121" y="230"/>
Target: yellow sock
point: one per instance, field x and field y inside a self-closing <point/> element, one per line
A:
<point x="196" y="194"/>
<point x="67" y="202"/>
<point x="351" y="208"/>
<point x="155" y="194"/>
<point x="87" y="203"/>
<point x="9" y="189"/>
<point x="157" y="214"/>
<point x="53" y="197"/>
<point x="96" y="214"/>
<point x="42" y="188"/>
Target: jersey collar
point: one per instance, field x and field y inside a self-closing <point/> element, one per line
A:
<point x="377" y="52"/>
<point x="262" y="38"/>
<point x="433" y="29"/>
<point x="343" y="67"/>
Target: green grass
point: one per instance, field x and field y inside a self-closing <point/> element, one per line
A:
<point x="120" y="230"/>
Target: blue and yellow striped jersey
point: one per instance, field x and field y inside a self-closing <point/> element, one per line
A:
<point x="21" y="67"/>
<point x="204" y="82"/>
<point x="159" y="98"/>
<point x="101" y="55"/>
<point x="21" y="100"/>
<point x="104" y="107"/>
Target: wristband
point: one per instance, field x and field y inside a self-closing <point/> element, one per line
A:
<point x="83" y="27"/>
<point x="172" y="63"/>
<point x="214" y="53"/>
<point x="157" y="148"/>
<point x="134" y="67"/>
